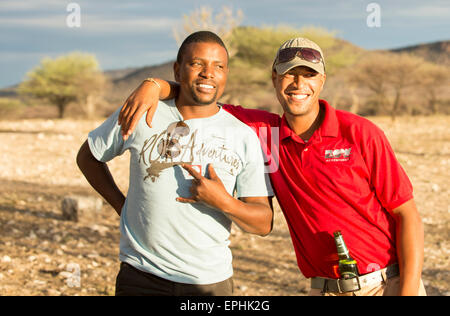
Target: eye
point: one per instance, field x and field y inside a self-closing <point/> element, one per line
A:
<point x="288" y="76"/>
<point x="310" y="75"/>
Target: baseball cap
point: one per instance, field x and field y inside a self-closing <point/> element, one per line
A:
<point x="304" y="53"/>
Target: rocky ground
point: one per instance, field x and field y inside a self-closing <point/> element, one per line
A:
<point x="42" y="254"/>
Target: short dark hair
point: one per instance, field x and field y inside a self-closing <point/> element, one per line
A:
<point x="200" y="37"/>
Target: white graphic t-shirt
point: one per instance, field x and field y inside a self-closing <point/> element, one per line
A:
<point x="186" y="243"/>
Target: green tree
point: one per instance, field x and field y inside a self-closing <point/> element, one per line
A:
<point x="72" y="78"/>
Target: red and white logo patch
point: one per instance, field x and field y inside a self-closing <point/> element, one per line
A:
<point x="338" y="154"/>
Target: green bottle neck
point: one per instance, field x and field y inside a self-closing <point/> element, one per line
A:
<point x="342" y="249"/>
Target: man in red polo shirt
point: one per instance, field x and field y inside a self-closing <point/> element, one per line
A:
<point x="335" y="171"/>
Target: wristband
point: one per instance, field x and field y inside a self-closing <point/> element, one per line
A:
<point x="154" y="81"/>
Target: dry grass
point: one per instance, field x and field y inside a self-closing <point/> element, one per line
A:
<point x="37" y="169"/>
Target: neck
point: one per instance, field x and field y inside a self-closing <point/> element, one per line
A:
<point x="305" y="125"/>
<point x="193" y="111"/>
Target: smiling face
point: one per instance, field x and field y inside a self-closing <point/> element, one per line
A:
<point x="298" y="90"/>
<point x="202" y="73"/>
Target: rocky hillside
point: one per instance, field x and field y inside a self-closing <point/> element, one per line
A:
<point x="437" y="52"/>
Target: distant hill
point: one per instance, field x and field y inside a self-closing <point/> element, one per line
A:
<point x="125" y="84"/>
<point x="124" y="81"/>
<point x="119" y="73"/>
<point x="9" y="92"/>
<point x="438" y="52"/>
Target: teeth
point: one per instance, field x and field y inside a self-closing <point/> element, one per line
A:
<point x="299" y="96"/>
<point x="206" y="86"/>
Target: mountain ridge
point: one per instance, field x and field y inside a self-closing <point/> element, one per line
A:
<point x="125" y="80"/>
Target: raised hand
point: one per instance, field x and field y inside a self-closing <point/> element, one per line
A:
<point x="144" y="98"/>
<point x="210" y="191"/>
<point x="252" y="214"/>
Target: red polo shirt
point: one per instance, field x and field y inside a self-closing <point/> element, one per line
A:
<point x="346" y="177"/>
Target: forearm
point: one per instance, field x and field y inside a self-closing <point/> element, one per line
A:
<point x="254" y="218"/>
<point x="168" y="89"/>
<point x="99" y="177"/>
<point x="410" y="245"/>
<point x="252" y="214"/>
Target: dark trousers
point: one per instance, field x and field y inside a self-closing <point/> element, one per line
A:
<point x="133" y="282"/>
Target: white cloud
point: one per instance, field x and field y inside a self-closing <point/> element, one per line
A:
<point x="120" y="24"/>
<point x="14" y="5"/>
<point x="425" y="11"/>
<point x="18" y="56"/>
<point x="34" y="22"/>
<point x="93" y="23"/>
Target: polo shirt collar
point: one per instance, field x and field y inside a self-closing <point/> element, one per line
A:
<point x="329" y="126"/>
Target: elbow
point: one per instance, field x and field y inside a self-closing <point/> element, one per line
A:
<point x="83" y="156"/>
<point x="80" y="158"/>
<point x="265" y="233"/>
<point x="266" y="229"/>
<point x="262" y="229"/>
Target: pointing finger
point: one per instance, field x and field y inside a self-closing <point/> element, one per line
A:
<point x="192" y="171"/>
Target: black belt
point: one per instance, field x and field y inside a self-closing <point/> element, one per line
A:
<point x="354" y="284"/>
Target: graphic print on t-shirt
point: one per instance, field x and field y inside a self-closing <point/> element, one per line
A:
<point x="175" y="147"/>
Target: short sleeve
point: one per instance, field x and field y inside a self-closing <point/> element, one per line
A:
<point x="390" y="181"/>
<point x="266" y="127"/>
<point x="253" y="180"/>
<point x="105" y="142"/>
<point x="253" y="117"/>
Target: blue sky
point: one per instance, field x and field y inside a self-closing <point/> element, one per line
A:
<point x="137" y="33"/>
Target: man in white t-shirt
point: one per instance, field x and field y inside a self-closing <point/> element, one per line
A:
<point x="176" y="219"/>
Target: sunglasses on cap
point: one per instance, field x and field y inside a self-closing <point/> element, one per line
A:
<point x="309" y="54"/>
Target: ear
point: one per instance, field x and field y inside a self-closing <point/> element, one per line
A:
<point x="176" y="71"/>
<point x="274" y="77"/>
<point x="323" y="80"/>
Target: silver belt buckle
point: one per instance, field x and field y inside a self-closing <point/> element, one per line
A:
<point x="341" y="291"/>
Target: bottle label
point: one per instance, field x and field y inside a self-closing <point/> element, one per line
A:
<point x="341" y="248"/>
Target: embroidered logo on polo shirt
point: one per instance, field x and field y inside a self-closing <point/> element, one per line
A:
<point x="338" y="154"/>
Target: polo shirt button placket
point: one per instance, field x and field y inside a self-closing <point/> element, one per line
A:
<point x="304" y="151"/>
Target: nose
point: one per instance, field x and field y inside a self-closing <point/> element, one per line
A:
<point x="207" y="71"/>
<point x="300" y="81"/>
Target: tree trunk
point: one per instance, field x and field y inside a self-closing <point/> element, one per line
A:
<point x="432" y="101"/>
<point x="61" y="109"/>
<point x="395" y="106"/>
